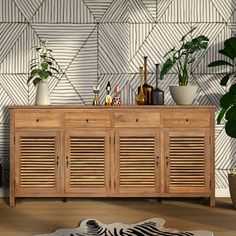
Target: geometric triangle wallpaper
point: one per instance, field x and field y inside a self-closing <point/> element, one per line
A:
<point x="94" y="42"/>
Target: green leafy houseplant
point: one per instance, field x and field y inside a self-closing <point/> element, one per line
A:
<point x="42" y="65"/>
<point x="228" y="100"/>
<point x="184" y="56"/>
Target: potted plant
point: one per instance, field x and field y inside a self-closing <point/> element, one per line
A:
<point x="182" y="58"/>
<point x="41" y="68"/>
<point x="228" y="100"/>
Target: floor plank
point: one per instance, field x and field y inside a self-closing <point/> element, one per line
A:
<point x="33" y="216"/>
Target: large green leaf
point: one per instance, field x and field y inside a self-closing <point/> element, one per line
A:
<point x="168" y="65"/>
<point x="231" y="114"/>
<point x="221" y="115"/>
<point x="49" y="73"/>
<point x="30" y="78"/>
<point x="219" y="63"/>
<point x="231" y="44"/>
<point x="232" y="89"/>
<point x="230" y="129"/>
<point x="225" y="79"/>
<point x="36" y="81"/>
<point x="35" y="72"/>
<point x="229" y="49"/>
<point x="227" y="100"/>
<point x="196" y="44"/>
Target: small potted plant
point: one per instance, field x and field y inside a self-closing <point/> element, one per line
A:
<point x="41" y="68"/>
<point x="228" y="100"/>
<point x="182" y="58"/>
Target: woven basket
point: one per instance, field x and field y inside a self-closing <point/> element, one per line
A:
<point x="232" y="187"/>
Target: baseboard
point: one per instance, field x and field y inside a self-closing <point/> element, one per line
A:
<point x="222" y="192"/>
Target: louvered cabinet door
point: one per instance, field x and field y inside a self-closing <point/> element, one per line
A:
<point x="137" y="163"/>
<point x="187" y="162"/>
<point x="37" y="163"/>
<point x="87" y="162"/>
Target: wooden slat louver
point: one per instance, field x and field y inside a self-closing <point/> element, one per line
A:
<point x="137" y="162"/>
<point x="187" y="161"/>
<point x="87" y="162"/>
<point x="37" y="162"/>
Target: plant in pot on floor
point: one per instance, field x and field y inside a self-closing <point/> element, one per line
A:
<point x="41" y="69"/>
<point x="228" y="100"/>
<point x="182" y="59"/>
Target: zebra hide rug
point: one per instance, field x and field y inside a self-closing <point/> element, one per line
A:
<point x="150" y="227"/>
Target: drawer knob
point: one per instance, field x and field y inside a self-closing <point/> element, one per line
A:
<point x="87" y="120"/>
<point x="37" y="120"/>
<point x="187" y="120"/>
<point x="136" y="120"/>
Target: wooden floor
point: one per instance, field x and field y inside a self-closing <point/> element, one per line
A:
<point x="34" y="216"/>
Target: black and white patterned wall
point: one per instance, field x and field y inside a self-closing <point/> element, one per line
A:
<point x="96" y="41"/>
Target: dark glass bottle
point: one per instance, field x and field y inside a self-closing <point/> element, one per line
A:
<point x="157" y="94"/>
<point x="147" y="89"/>
<point x="108" y="100"/>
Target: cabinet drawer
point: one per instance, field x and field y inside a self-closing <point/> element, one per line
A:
<point x="87" y="119"/>
<point x="186" y="119"/>
<point x="37" y="119"/>
<point x="137" y="119"/>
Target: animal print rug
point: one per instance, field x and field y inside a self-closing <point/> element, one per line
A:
<point x="150" y="227"/>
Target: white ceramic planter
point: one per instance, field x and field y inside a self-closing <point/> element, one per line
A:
<point x="183" y="95"/>
<point x="42" y="94"/>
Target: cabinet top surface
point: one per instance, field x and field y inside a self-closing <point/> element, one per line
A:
<point x="70" y="106"/>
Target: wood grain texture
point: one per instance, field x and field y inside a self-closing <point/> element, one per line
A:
<point x="138" y="151"/>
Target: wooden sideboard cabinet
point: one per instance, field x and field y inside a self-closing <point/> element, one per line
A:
<point x="127" y="151"/>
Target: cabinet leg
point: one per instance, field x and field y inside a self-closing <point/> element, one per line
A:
<point x="64" y="199"/>
<point x="212" y="201"/>
<point x="12" y="201"/>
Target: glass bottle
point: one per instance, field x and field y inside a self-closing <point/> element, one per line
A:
<point x="141" y="98"/>
<point x="157" y="94"/>
<point x="96" y="101"/>
<point x="108" y="100"/>
<point x="117" y="98"/>
<point x="147" y="89"/>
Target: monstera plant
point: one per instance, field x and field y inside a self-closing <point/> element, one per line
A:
<point x="181" y="58"/>
<point x="228" y="100"/>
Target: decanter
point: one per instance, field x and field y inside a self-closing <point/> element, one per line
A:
<point x="141" y="98"/>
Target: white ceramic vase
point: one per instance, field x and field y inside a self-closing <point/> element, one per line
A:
<point x="183" y="95"/>
<point x="42" y="94"/>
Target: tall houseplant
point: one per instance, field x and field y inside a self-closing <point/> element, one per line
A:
<point x="41" y="69"/>
<point x="182" y="58"/>
<point x="228" y="100"/>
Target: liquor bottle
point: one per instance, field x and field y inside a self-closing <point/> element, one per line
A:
<point x="157" y="94"/>
<point x="117" y="98"/>
<point x="96" y="101"/>
<point x="141" y="98"/>
<point x="108" y="100"/>
<point x="147" y="89"/>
